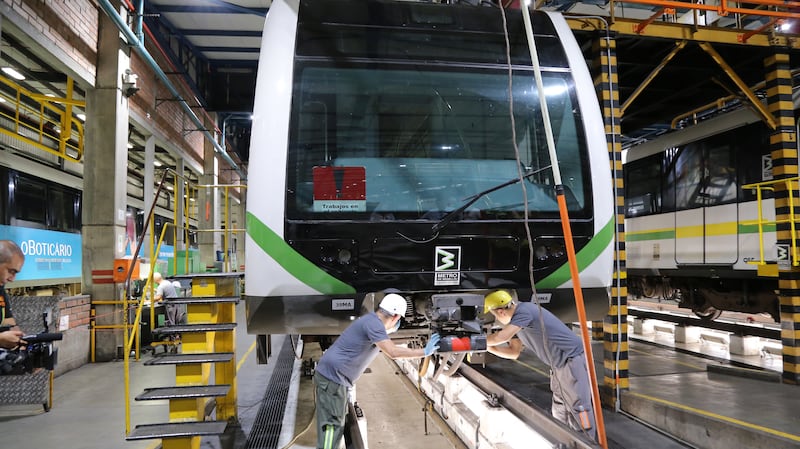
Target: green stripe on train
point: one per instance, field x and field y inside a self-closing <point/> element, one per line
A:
<point x="669" y="234"/>
<point x="585" y="257"/>
<point x="291" y="261"/>
<point x="314" y="277"/>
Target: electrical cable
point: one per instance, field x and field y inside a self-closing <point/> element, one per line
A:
<point x="310" y="421"/>
<point x="545" y="118"/>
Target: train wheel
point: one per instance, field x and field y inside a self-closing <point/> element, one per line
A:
<point x="708" y="314"/>
<point x="449" y="364"/>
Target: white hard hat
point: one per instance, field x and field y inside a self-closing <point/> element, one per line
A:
<point x="394" y="304"/>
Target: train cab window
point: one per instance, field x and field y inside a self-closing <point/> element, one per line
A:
<point x="423" y="139"/>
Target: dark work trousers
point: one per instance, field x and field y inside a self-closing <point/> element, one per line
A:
<point x="572" y="396"/>
<point x="331" y="403"/>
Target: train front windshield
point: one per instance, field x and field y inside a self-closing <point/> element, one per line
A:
<point x="375" y="140"/>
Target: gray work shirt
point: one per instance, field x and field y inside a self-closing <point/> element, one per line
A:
<point x="558" y="339"/>
<point x="353" y="351"/>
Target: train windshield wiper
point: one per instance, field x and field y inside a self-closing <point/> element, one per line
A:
<point x="450" y="216"/>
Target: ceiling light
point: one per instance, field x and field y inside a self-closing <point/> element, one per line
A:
<point x="130" y="145"/>
<point x="82" y="117"/>
<point x="157" y="163"/>
<point x="13" y="73"/>
<point x="2" y="100"/>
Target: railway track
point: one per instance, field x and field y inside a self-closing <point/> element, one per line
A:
<point x="738" y="324"/>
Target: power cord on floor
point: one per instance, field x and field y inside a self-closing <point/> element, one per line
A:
<point x="308" y="426"/>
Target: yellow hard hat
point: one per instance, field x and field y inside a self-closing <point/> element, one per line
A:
<point x="499" y="298"/>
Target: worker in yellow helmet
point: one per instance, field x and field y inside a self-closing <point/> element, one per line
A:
<point x="527" y="325"/>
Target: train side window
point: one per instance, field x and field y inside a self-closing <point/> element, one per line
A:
<point x="29" y="203"/>
<point x="753" y="159"/>
<point x="643" y="187"/>
<point x="64" y="213"/>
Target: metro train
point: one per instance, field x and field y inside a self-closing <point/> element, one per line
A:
<point x="691" y="232"/>
<point x="383" y="157"/>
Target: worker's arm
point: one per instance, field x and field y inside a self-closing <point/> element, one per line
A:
<point x="509" y="351"/>
<point x="505" y="334"/>
<point x="9" y="322"/>
<point x="399" y="352"/>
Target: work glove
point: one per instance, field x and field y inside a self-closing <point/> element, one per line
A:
<point x="433" y="344"/>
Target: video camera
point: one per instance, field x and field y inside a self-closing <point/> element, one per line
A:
<point x="38" y="352"/>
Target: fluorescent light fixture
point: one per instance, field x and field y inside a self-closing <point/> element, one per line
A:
<point x="157" y="163"/>
<point x="2" y="100"/>
<point x="82" y="117"/>
<point x="13" y="73"/>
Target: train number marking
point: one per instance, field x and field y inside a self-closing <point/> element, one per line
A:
<point x="447" y="265"/>
<point x="343" y="304"/>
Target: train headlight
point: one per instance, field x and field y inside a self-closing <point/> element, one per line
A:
<point x="345" y="256"/>
<point x="549" y="251"/>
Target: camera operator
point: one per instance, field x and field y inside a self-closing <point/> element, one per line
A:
<point x="11" y="261"/>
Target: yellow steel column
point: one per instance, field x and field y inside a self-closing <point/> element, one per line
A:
<point x="783" y="143"/>
<point x="615" y="328"/>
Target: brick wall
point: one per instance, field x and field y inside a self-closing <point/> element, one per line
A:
<point x="70" y="25"/>
<point x="77" y="309"/>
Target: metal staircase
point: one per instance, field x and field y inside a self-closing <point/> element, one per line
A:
<point x="205" y="367"/>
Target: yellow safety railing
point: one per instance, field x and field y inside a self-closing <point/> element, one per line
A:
<point x="791" y="186"/>
<point x="131" y="335"/>
<point x="44" y="122"/>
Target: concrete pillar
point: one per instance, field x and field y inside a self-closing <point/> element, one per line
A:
<point x="744" y="345"/>
<point x="208" y="216"/>
<point x="783" y="147"/>
<point x="180" y="199"/>
<point x="687" y="334"/>
<point x="105" y="179"/>
<point x="149" y="195"/>
<point x="643" y="327"/>
<point x="615" y="326"/>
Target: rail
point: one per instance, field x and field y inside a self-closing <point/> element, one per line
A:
<point x="46" y="123"/>
<point x="766" y="225"/>
<point x="756" y="330"/>
<point x="471" y="404"/>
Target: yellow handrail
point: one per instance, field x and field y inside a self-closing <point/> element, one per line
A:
<point x="179" y="222"/>
<point x="790" y="184"/>
<point x="46" y="123"/>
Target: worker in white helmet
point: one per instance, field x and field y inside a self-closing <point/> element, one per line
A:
<point x="528" y="325"/>
<point x="343" y="363"/>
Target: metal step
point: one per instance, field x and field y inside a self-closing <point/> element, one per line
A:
<point x="181" y="359"/>
<point x="199" y="327"/>
<point x="202" y="300"/>
<point x="177" y="430"/>
<point x="183" y="392"/>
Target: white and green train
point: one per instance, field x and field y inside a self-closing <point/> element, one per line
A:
<point x="691" y="229"/>
<point x="383" y="157"/>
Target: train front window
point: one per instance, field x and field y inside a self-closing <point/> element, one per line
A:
<point x="416" y="144"/>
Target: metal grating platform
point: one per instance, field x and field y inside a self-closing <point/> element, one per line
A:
<point x="267" y="426"/>
<point x="200" y="327"/>
<point x="180" y="359"/>
<point x="177" y="430"/>
<point x="183" y="392"/>
<point x="203" y="300"/>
